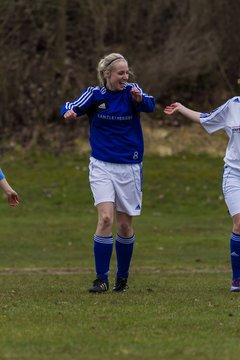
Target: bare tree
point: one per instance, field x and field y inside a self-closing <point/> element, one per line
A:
<point x="49" y="52"/>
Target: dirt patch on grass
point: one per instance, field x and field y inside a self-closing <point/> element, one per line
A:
<point x="171" y="141"/>
<point x="82" y="270"/>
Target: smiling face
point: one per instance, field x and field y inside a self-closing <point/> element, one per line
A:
<point x="117" y="76"/>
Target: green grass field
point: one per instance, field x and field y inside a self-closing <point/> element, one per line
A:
<point x="178" y="305"/>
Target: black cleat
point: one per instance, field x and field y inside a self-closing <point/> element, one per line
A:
<point x="235" y="285"/>
<point x="99" y="286"/>
<point x="120" y="285"/>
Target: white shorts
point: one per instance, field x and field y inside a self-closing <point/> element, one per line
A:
<point x="117" y="183"/>
<point x="231" y="189"/>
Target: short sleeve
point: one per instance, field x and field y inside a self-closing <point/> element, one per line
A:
<point x="216" y="119"/>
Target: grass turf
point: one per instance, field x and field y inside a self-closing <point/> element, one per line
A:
<point x="178" y="305"/>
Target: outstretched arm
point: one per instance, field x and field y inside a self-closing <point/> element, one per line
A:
<point x="178" y="107"/>
<point x="12" y="196"/>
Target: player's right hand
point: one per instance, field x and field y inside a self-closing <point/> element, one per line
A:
<point x="170" y="109"/>
<point x="70" y="115"/>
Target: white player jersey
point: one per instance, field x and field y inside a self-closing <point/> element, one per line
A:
<point x="227" y="118"/>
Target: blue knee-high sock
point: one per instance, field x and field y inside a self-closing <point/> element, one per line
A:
<point x="103" y="247"/>
<point x="124" y="251"/>
<point x="235" y="255"/>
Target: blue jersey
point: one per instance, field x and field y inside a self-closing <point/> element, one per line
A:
<point x="1" y="175"/>
<point x="115" y="128"/>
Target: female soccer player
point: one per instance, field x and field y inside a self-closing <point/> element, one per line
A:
<point x="12" y="196"/>
<point x="115" y="169"/>
<point x="226" y="117"/>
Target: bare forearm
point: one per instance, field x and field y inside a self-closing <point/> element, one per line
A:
<point x="190" y="114"/>
<point x="5" y="186"/>
<point x="12" y="196"/>
<point x="178" y="107"/>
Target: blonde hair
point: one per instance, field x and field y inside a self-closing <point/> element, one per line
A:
<point x="106" y="64"/>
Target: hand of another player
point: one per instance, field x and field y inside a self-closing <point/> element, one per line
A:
<point x="13" y="198"/>
<point x="136" y="94"/>
<point x="171" y="109"/>
<point x="70" y="115"/>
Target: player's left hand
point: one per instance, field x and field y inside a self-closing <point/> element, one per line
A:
<point x="136" y="94"/>
<point x="13" y="198"/>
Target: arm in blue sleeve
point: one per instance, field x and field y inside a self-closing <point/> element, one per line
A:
<point x="147" y="105"/>
<point x="75" y="109"/>
<point x="2" y="176"/>
<point x="81" y="104"/>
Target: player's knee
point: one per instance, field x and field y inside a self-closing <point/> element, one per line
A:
<point x="125" y="229"/>
<point x="236" y="227"/>
<point x="236" y="223"/>
<point x="105" y="221"/>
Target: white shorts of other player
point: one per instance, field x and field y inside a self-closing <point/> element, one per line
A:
<point x="231" y="189"/>
<point x="117" y="183"/>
